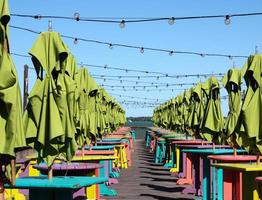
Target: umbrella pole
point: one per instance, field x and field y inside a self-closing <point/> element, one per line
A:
<point x="258" y="159"/>
<point x="50" y="173"/>
<point x="13" y="172"/>
<point x="235" y="150"/>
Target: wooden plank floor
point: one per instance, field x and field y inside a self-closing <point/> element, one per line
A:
<point x="145" y="180"/>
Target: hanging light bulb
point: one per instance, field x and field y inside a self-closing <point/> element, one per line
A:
<point x="110" y="46"/>
<point x="122" y="24"/>
<point x="126" y="71"/>
<point x="171" y="21"/>
<point x="104" y="80"/>
<point x="77" y="16"/>
<point x="121" y="81"/>
<point x="202" y="55"/>
<point x="142" y="50"/>
<point x="75" y="41"/>
<point x="230" y="57"/>
<point x="157" y="77"/>
<point x="138" y="77"/>
<point x="105" y="66"/>
<point x="136" y="82"/>
<point x="227" y="20"/>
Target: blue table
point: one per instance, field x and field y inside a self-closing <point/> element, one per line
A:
<point x="62" y="187"/>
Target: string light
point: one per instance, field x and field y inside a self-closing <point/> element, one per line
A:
<point x="142" y="49"/>
<point x="122" y="23"/>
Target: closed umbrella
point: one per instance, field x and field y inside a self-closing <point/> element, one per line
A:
<point x="250" y="131"/>
<point x="232" y="82"/>
<point x="11" y="127"/>
<point x="212" y="124"/>
<point x="197" y="111"/>
<point x="47" y="122"/>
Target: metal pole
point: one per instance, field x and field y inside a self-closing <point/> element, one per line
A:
<point x="25" y="86"/>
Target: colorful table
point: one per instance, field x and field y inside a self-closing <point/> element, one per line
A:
<point x="104" y="172"/>
<point x="237" y="174"/>
<point x="201" y="155"/>
<point x="40" y="188"/>
<point x="217" y="174"/>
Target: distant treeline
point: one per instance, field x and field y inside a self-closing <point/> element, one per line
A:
<point x="139" y="118"/>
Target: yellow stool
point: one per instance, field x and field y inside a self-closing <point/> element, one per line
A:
<point x="176" y="169"/>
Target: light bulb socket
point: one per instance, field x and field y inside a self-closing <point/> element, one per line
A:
<point x="110" y="46"/>
<point x="75" y="41"/>
<point x="142" y="50"/>
<point x="77" y="16"/>
<point x="122" y="24"/>
<point x="171" y="21"/>
<point x="227" y="20"/>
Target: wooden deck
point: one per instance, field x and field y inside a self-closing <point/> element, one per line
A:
<point x="146" y="180"/>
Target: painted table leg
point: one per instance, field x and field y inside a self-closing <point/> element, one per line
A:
<point x="206" y="179"/>
<point x="227" y="184"/>
<point x="104" y="190"/>
<point x="214" y="181"/>
<point x="219" y="184"/>
<point x="188" y="171"/>
<point x="250" y="191"/>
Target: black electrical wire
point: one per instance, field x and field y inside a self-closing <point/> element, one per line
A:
<point x="136" y="47"/>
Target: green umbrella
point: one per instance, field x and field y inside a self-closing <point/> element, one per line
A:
<point x="212" y="124"/>
<point x="232" y="82"/>
<point x="47" y="122"/>
<point x="250" y="134"/>
<point x="197" y="111"/>
<point x="82" y="115"/>
<point x="11" y="127"/>
<point x="91" y="106"/>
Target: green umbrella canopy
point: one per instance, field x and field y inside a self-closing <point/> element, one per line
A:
<point x="250" y="132"/>
<point x="91" y="105"/>
<point x="82" y="115"/>
<point x="232" y="82"/>
<point x="11" y="126"/>
<point x="199" y="108"/>
<point x="212" y="124"/>
<point x="47" y="122"/>
<point x="101" y="124"/>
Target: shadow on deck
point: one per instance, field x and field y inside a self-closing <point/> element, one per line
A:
<point x="146" y="180"/>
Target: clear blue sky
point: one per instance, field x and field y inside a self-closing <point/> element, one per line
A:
<point x="240" y="37"/>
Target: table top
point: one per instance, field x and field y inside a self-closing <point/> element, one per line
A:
<point x="101" y="147"/>
<point x="68" y="166"/>
<point x="212" y="151"/>
<point x="239" y="166"/>
<point x="233" y="158"/>
<point x="109" y="143"/>
<point x="194" y="142"/>
<point x="91" y="157"/>
<point x="204" y="146"/>
<point x="57" y="182"/>
<point x="259" y="179"/>
<point x="95" y="152"/>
